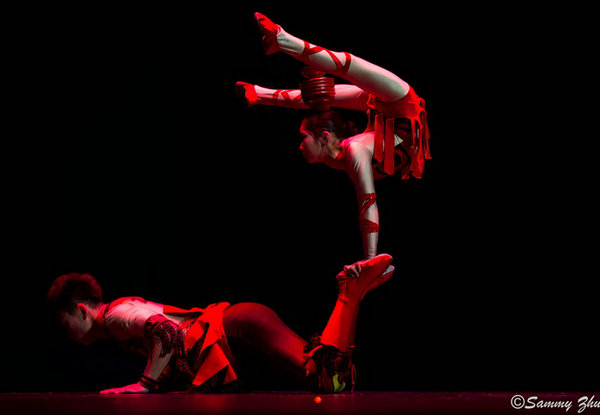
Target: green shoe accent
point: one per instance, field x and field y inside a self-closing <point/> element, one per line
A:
<point x="337" y="386"/>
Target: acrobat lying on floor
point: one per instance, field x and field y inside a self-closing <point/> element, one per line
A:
<point x="189" y="350"/>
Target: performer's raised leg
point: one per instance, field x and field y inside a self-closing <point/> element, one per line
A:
<point x="262" y="329"/>
<point x="329" y="356"/>
<point x="341" y="327"/>
<point x="326" y="357"/>
<point x="346" y="96"/>
<point x="380" y="82"/>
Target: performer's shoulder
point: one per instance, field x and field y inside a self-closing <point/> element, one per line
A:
<point x="359" y="144"/>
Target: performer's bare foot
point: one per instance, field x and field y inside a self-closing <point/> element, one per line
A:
<point x="372" y="273"/>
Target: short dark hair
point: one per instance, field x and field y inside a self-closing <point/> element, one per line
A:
<point x="70" y="289"/>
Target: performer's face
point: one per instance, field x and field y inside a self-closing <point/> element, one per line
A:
<point x="77" y="325"/>
<point x="310" y="147"/>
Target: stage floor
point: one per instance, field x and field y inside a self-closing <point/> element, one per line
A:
<point x="301" y="403"/>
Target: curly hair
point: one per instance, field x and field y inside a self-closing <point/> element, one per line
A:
<point x="70" y="289"/>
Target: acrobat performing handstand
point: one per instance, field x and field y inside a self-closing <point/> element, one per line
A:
<point x="188" y="349"/>
<point x="396" y="140"/>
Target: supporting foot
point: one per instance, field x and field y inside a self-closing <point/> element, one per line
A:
<point x="373" y="273"/>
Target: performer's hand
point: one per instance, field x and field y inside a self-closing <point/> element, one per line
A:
<point x="353" y="271"/>
<point x="133" y="388"/>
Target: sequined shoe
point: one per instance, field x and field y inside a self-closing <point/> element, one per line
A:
<point x="329" y="370"/>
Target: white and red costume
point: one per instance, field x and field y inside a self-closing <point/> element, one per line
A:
<point x="397" y="135"/>
<point x="197" y="339"/>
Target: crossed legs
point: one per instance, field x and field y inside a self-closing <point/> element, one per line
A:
<point x="364" y="76"/>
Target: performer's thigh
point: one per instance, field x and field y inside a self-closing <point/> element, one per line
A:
<point x="268" y="354"/>
<point x="387" y="86"/>
<point x="350" y="97"/>
<point x="261" y="328"/>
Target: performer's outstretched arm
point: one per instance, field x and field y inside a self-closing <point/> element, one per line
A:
<point x="360" y="171"/>
<point x="163" y="335"/>
<point x="156" y="364"/>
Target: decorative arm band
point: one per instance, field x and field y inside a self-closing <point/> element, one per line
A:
<point x="150" y="384"/>
<point x="368" y="226"/>
<point x="366" y="201"/>
<point x="166" y="331"/>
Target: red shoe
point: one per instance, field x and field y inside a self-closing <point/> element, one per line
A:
<point x="247" y="92"/>
<point x="374" y="272"/>
<point x="269" y="31"/>
<point x="380" y="280"/>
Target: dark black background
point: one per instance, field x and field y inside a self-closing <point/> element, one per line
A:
<point x="131" y="158"/>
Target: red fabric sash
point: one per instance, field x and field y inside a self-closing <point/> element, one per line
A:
<point x="413" y="108"/>
<point x="341" y="69"/>
<point x="214" y="353"/>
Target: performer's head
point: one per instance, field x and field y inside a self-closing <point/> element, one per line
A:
<point x="321" y="134"/>
<point x="73" y="298"/>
